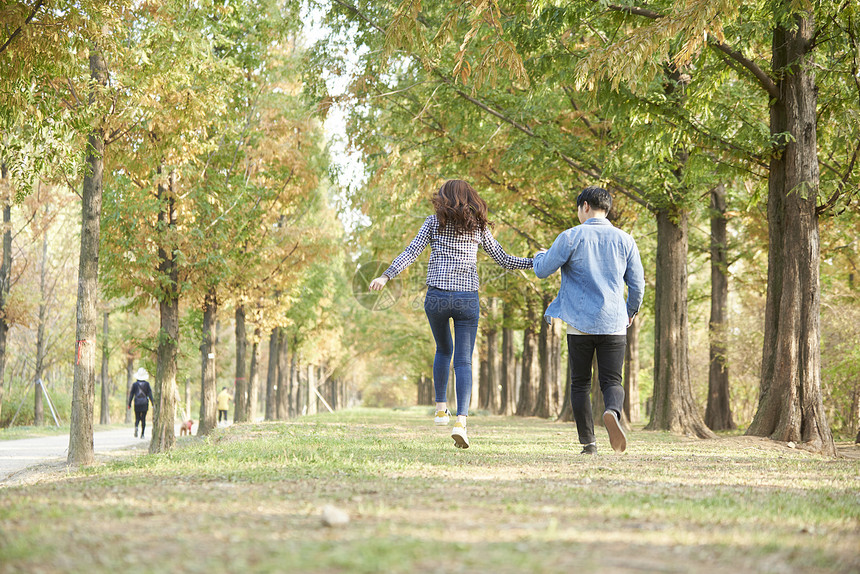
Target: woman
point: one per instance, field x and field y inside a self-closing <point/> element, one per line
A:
<point x="141" y="394"/>
<point x="454" y="234"/>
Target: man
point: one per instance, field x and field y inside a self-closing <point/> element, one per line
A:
<point x="223" y="401"/>
<point x="596" y="260"/>
<point x="141" y="395"/>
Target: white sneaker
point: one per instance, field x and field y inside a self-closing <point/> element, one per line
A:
<point x="458" y="433"/>
<point x="442" y="417"/>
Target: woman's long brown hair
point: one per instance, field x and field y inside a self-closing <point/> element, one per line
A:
<point x="460" y="206"/>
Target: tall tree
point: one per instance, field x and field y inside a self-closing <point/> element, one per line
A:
<point x="240" y="411"/>
<point x="5" y="272"/>
<point x="272" y="374"/>
<point x="41" y="343"/>
<point x="167" y="295"/>
<point x="508" y="380"/>
<point x="790" y="402"/>
<point x="718" y="413"/>
<point x="104" y="405"/>
<point x="83" y="393"/>
<point x="208" y="384"/>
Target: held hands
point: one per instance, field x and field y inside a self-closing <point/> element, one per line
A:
<point x="378" y="283"/>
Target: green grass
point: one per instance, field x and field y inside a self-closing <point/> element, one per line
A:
<point x="522" y="499"/>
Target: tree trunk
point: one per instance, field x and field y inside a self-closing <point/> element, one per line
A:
<point x="5" y="273"/>
<point x="790" y="402"/>
<point x="321" y="383"/>
<point x="425" y="390"/>
<point x="283" y="394"/>
<point x="208" y="383"/>
<point x="484" y="393"/>
<point x="240" y="410"/>
<point x="83" y="387"/>
<point x="312" y="396"/>
<point x="298" y="382"/>
<point x="558" y="332"/>
<point x="508" y="371"/>
<point x="493" y="364"/>
<point x="545" y="397"/>
<point x="631" y="373"/>
<point x="295" y="388"/>
<point x="163" y="428"/>
<point x="518" y="379"/>
<point x="38" y="406"/>
<point x="104" y="417"/>
<point x="477" y="349"/>
<point x="483" y="378"/>
<point x="272" y="375"/>
<point x="493" y="371"/>
<point x="254" y="378"/>
<point x="163" y="432"/>
<point x="129" y="381"/>
<point x="673" y="406"/>
<point x="530" y="382"/>
<point x="718" y="414"/>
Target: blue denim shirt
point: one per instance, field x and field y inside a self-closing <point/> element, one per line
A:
<point x="596" y="261"/>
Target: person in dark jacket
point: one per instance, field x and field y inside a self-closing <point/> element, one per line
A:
<point x="141" y="395"/>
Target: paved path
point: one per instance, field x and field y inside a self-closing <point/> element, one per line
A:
<point x="17" y="455"/>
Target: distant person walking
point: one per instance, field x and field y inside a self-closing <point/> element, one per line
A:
<point x="223" y="401"/>
<point x="141" y="395"/>
<point x="596" y="260"/>
<point x="454" y="234"/>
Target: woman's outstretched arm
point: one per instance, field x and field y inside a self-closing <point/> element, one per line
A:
<point x="407" y="257"/>
<point x="494" y="250"/>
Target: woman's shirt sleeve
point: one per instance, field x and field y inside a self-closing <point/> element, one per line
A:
<point x="494" y="250"/>
<point x="412" y="251"/>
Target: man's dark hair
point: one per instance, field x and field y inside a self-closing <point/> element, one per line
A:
<point x="597" y="198"/>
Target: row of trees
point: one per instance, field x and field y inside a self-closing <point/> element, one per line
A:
<point x="687" y="111"/>
<point x="202" y="178"/>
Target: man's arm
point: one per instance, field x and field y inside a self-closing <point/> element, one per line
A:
<point x="634" y="277"/>
<point x="548" y="262"/>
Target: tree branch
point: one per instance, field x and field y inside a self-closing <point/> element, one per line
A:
<point x="72" y="90"/>
<point x="644" y="12"/>
<point x="855" y="70"/>
<point x="116" y="135"/>
<point x="592" y="171"/>
<point x="766" y="82"/>
<point x="18" y="30"/>
<point x="358" y="13"/>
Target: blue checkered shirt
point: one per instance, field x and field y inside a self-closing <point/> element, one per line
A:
<point x="453" y="256"/>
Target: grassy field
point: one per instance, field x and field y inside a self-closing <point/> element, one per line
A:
<point x="522" y="499"/>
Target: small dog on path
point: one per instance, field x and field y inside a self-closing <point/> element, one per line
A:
<point x="186" y="428"/>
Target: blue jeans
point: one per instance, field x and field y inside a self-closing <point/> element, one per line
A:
<point x="464" y="308"/>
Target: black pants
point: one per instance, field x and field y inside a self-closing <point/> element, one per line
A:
<point x="222" y="414"/>
<point x="610" y="362"/>
<point x="140" y="417"/>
